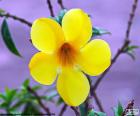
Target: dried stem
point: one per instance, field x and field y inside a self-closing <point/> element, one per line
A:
<point x="60" y="2"/>
<point x="121" y="50"/>
<point x="39" y="100"/>
<point x="129" y="106"/>
<point x="8" y="15"/>
<point x="63" y="110"/>
<point x="50" y="7"/>
<point x="77" y="113"/>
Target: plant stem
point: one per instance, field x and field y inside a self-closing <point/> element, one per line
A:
<point x="8" y="15"/>
<point x="98" y="102"/>
<point x="90" y="98"/>
<point x="121" y="50"/>
<point x="60" y="2"/>
<point x="77" y="113"/>
<point x="63" y="110"/>
<point x="39" y="100"/>
<point x="50" y="8"/>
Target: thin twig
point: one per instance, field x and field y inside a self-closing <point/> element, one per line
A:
<point x="8" y="15"/>
<point x="63" y="110"/>
<point x="50" y="8"/>
<point x="98" y="102"/>
<point x="121" y="50"/>
<point x="60" y="2"/>
<point x="75" y="111"/>
<point x="90" y="98"/>
<point x="39" y="100"/>
<point x="129" y="106"/>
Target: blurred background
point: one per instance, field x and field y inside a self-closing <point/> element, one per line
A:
<point x="122" y="83"/>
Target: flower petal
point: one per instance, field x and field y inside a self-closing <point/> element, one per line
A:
<point x="43" y="68"/>
<point x="95" y="57"/>
<point x="73" y="86"/>
<point x="77" y="27"/>
<point x="46" y="34"/>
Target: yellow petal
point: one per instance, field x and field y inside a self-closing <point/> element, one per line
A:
<point x="46" y="34"/>
<point x="43" y="68"/>
<point x="73" y="86"/>
<point x="95" y="57"/>
<point x="77" y="27"/>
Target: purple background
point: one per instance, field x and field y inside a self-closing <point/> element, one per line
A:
<point x="122" y="83"/>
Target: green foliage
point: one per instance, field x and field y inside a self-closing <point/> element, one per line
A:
<point x="95" y="113"/>
<point x="31" y="109"/>
<point x="83" y="111"/>
<point x="96" y="31"/>
<point x="7" y="98"/>
<point x="12" y="100"/>
<point x="59" y="101"/>
<point x="130" y="50"/>
<point x="118" y="110"/>
<point x="7" y="38"/>
<point x="1" y="11"/>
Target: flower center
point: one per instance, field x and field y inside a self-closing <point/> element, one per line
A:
<point x="66" y="55"/>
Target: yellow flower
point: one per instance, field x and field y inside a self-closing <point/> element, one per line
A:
<point x="66" y="52"/>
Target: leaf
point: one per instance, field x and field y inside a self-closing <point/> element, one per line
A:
<point x="91" y="113"/>
<point x="2" y="96"/>
<point x="26" y="83"/>
<point x="4" y="105"/>
<point x="50" y="98"/>
<point x="132" y="55"/>
<point x="8" y="39"/>
<point x="96" y="31"/>
<point x="59" y="101"/>
<point x="95" y="113"/>
<point x="31" y="109"/>
<point x="36" y="87"/>
<point x="99" y="113"/>
<point x="82" y="110"/>
<point x="130" y="50"/>
<point x="118" y="110"/>
<point x="10" y="94"/>
<point x="1" y="11"/>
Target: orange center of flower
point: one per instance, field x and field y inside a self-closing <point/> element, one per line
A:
<point x="66" y="55"/>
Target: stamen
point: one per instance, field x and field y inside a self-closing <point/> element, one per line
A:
<point x="66" y="54"/>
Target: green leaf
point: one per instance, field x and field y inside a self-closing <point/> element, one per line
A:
<point x="26" y="83"/>
<point x="130" y="50"/>
<point x="10" y="94"/>
<point x="50" y="98"/>
<point x="132" y="55"/>
<point x="99" y="113"/>
<point x="36" y="87"/>
<point x="118" y="110"/>
<point x="31" y="109"/>
<point x="95" y="113"/>
<point x="82" y="110"/>
<point x="59" y="101"/>
<point x="2" y="96"/>
<point x="4" y="105"/>
<point x="8" y="39"/>
<point x="1" y="11"/>
<point x="96" y="31"/>
<point x="91" y="113"/>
